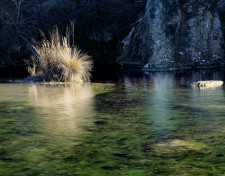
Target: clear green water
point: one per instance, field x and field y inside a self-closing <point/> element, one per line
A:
<point x="140" y="125"/>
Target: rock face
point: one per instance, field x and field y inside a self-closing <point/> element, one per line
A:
<point x="207" y="84"/>
<point x="177" y="34"/>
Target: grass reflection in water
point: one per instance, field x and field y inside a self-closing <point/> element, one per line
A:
<point x="136" y="127"/>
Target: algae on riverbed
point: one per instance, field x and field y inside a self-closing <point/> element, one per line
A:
<point x="130" y="128"/>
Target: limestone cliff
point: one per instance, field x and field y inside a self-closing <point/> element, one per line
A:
<point x="177" y="34"/>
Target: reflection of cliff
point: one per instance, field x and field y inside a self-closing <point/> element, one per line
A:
<point x="176" y="116"/>
<point x="63" y="110"/>
<point x="167" y="80"/>
<point x="177" y="34"/>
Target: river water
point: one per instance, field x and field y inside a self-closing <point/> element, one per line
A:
<point x="132" y="124"/>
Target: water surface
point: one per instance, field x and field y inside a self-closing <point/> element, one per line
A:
<point x="140" y="123"/>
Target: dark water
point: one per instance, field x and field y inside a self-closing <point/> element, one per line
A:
<point x="135" y="124"/>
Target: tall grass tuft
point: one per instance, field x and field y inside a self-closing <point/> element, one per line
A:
<point x="56" y="60"/>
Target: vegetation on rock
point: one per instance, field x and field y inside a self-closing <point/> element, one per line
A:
<point x="56" y="60"/>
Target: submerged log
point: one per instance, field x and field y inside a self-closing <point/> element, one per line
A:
<point x="207" y="84"/>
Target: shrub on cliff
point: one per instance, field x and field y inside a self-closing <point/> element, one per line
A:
<point x="56" y="60"/>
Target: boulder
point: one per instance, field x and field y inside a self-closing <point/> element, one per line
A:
<point x="207" y="84"/>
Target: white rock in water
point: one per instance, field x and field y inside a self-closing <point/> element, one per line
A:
<point x="207" y="84"/>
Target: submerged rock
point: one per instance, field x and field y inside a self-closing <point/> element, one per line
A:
<point x="177" y="34"/>
<point x="207" y="84"/>
<point x="178" y="146"/>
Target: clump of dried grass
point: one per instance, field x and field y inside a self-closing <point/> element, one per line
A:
<point x="56" y="60"/>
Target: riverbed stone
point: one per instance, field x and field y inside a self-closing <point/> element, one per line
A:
<point x="178" y="146"/>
